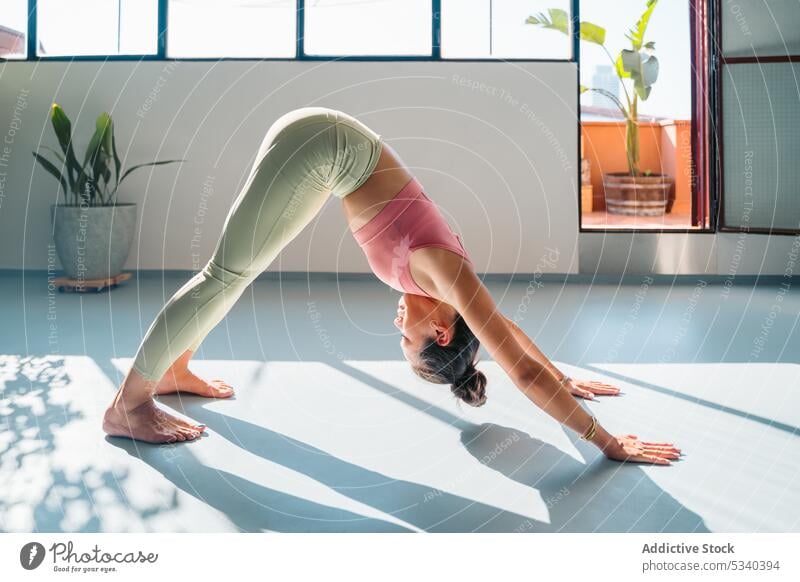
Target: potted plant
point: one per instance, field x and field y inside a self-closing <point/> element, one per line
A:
<point x="92" y="231"/>
<point x="635" y="191"/>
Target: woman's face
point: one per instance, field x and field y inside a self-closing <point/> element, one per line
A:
<point x="421" y="319"/>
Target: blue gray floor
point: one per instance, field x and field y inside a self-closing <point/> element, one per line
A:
<point x="331" y="431"/>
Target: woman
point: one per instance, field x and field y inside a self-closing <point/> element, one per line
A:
<point x="444" y="314"/>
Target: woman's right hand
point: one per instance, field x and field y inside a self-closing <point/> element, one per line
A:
<point x="629" y="448"/>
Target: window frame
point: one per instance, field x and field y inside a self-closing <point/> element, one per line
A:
<point x="300" y="54"/>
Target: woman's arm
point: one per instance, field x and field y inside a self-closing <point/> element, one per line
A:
<point x="582" y="388"/>
<point x="467" y="294"/>
<point x="528" y="345"/>
<point x="457" y="284"/>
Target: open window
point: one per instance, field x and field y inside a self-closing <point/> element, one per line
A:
<point x="645" y="106"/>
<point x="643" y="112"/>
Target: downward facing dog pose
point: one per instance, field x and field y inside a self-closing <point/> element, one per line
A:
<point x="444" y="315"/>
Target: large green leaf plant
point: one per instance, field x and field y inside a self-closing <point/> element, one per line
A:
<point x="96" y="180"/>
<point x="636" y="67"/>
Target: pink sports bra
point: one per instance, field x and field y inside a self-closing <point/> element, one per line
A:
<point x="409" y="221"/>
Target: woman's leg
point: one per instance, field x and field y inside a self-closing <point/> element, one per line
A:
<point x="357" y="151"/>
<point x="305" y="156"/>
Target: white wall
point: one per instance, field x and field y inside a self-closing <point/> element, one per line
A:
<point x="499" y="158"/>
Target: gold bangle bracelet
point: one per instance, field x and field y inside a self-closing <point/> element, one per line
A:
<point x="590" y="432"/>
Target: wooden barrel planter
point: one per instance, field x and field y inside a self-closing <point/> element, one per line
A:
<point x="639" y="196"/>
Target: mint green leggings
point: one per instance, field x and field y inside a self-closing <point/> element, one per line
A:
<point x="306" y="155"/>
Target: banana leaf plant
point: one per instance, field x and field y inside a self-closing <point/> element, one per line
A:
<point x="636" y="67"/>
<point x="96" y="180"/>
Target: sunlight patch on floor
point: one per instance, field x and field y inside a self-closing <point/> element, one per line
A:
<point x="368" y="446"/>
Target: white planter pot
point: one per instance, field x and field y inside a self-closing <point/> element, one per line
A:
<point x="93" y="242"/>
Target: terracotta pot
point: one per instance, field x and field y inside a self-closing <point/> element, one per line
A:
<point x="640" y="195"/>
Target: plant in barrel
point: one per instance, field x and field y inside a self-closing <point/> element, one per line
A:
<point x="637" y="69"/>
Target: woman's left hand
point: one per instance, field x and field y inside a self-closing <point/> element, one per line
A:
<point x="630" y="449"/>
<point x="588" y="388"/>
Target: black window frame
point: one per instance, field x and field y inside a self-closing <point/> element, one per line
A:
<point x="300" y="54"/>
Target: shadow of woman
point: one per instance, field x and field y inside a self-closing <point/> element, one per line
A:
<point x="250" y="506"/>
<point x="423" y="507"/>
<point x="601" y="495"/>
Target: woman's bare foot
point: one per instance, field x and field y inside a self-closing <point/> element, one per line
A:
<point x="184" y="380"/>
<point x="180" y="379"/>
<point x="147" y="422"/>
<point x="134" y="414"/>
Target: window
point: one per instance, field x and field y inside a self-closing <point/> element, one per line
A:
<point x="13" y="29"/>
<point x="649" y="174"/>
<point x="231" y="28"/>
<point x="497" y="29"/>
<point x="764" y="29"/>
<point x="383" y="27"/>
<point x="668" y="27"/>
<point x="264" y="29"/>
<point x="97" y="27"/>
<point x="760" y="129"/>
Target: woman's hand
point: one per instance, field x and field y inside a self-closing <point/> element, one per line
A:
<point x="588" y="388"/>
<point x="630" y="448"/>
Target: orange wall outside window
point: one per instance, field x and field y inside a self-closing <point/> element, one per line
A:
<point x="664" y="147"/>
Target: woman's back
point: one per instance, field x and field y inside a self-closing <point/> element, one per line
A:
<point x="388" y="178"/>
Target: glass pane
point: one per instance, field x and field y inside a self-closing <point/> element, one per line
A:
<point x="486" y="29"/>
<point x="668" y="28"/>
<point x="97" y="27"/>
<point x="13" y="29"/>
<point x="376" y="27"/>
<point x="139" y="35"/>
<point x="761" y="135"/>
<point x="760" y="28"/>
<point x="231" y="28"/>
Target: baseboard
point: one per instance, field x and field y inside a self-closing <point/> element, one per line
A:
<point x="565" y="278"/>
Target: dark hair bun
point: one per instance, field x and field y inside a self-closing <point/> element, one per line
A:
<point x="471" y="387"/>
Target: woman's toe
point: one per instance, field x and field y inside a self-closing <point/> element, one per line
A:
<point x="222" y="390"/>
<point x="198" y="428"/>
